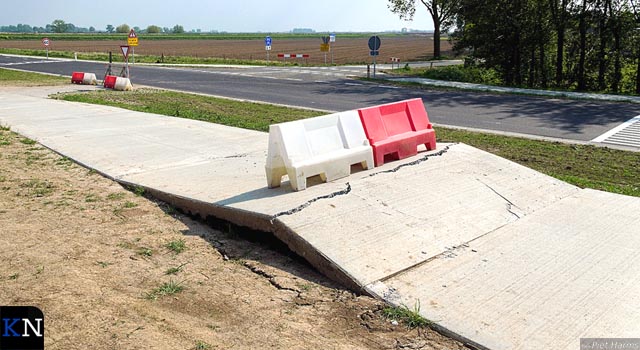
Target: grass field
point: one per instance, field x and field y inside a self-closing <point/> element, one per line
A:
<point x="17" y="78"/>
<point x="582" y="165"/>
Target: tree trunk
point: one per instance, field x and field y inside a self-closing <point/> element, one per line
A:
<point x="541" y="41"/>
<point x="560" y="56"/>
<point x="638" y="75"/>
<point x="617" y="73"/>
<point x="582" y="85"/>
<point x="436" y="38"/>
<point x="602" y="62"/>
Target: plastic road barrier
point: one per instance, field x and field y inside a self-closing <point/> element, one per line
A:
<point x="83" y="78"/>
<point x="110" y="81"/>
<point x="325" y="146"/>
<point x="396" y="129"/>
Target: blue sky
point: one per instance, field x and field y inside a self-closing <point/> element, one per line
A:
<point x="232" y="16"/>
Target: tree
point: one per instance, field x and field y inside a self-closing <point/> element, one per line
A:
<point x="635" y="6"/>
<point x="58" y="26"/>
<point x="123" y="28"/>
<point x="110" y="28"/>
<point x="92" y="29"/>
<point x="178" y="29"/>
<point x="559" y="16"/>
<point x="442" y="12"/>
<point x="153" y="29"/>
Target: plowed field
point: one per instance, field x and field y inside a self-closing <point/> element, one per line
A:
<point x="346" y="50"/>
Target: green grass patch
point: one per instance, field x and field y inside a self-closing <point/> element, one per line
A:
<point x="254" y="116"/>
<point x="174" y="270"/>
<point x="177" y="246"/>
<point x="130" y="205"/>
<point x="460" y="73"/>
<point x="38" y="188"/>
<point x="168" y="288"/>
<point x="15" y="78"/>
<point x="410" y="317"/>
<point x="27" y="141"/>
<point x="200" y="345"/>
<point x="581" y="165"/>
<point x="116" y="196"/>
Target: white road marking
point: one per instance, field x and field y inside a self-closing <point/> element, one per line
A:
<point x="616" y="130"/>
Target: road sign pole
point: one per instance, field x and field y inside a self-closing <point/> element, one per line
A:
<point x="47" y="49"/>
<point x="374" y="67"/>
<point x="133" y="55"/>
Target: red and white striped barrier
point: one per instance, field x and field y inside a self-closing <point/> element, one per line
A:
<point x="83" y="78"/>
<point x="292" y="55"/>
<point x="395" y="60"/>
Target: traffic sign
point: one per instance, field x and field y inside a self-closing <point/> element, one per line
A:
<point x="132" y="40"/>
<point x="374" y="53"/>
<point x="332" y="38"/>
<point x="46" y="42"/>
<point x="374" y="43"/>
<point x="325" y="47"/>
<point x="125" y="51"/>
<point x="268" y="48"/>
<point x="267" y="41"/>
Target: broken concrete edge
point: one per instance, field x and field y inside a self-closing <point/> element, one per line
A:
<point x="380" y="291"/>
<point x="267" y="223"/>
<point x="258" y="222"/>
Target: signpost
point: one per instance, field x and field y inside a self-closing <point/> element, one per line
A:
<point x="132" y="41"/>
<point x="125" y="53"/>
<point x="332" y="39"/>
<point x="267" y="45"/>
<point x="374" y="46"/>
<point x="46" y="42"/>
<point x="325" y="47"/>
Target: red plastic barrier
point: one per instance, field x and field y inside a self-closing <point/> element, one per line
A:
<point x="110" y="81"/>
<point x="396" y="129"/>
<point x="77" y="77"/>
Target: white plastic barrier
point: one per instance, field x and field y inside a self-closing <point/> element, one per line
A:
<point x="325" y="146"/>
<point x="123" y="84"/>
<point x="89" y="79"/>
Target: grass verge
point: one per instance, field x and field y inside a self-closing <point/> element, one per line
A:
<point x="582" y="165"/>
<point x="254" y="116"/>
<point x="17" y="78"/>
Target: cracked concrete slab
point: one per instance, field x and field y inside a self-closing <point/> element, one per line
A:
<point x="494" y="252"/>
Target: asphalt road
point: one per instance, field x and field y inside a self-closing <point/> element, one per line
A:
<point x="330" y="89"/>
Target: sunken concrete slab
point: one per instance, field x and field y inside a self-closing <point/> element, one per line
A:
<point x="494" y="252"/>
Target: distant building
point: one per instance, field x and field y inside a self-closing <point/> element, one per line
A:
<point x="303" y="31"/>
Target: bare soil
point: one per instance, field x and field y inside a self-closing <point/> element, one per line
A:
<point x="345" y="50"/>
<point x="92" y="254"/>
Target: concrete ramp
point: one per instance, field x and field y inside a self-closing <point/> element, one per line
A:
<point x="493" y="252"/>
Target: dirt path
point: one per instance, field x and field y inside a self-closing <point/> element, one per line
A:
<point x="93" y="257"/>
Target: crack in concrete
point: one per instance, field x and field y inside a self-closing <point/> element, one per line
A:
<point x="348" y="189"/>
<point x="510" y="204"/>
<point x="415" y="162"/>
<point x="311" y="201"/>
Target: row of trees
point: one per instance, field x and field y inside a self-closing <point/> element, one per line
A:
<point x="583" y="44"/>
<point x="60" y="26"/>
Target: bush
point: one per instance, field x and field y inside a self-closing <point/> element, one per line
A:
<point x="463" y="74"/>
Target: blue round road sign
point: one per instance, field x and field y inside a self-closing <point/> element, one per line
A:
<point x="267" y="41"/>
<point x="374" y="43"/>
